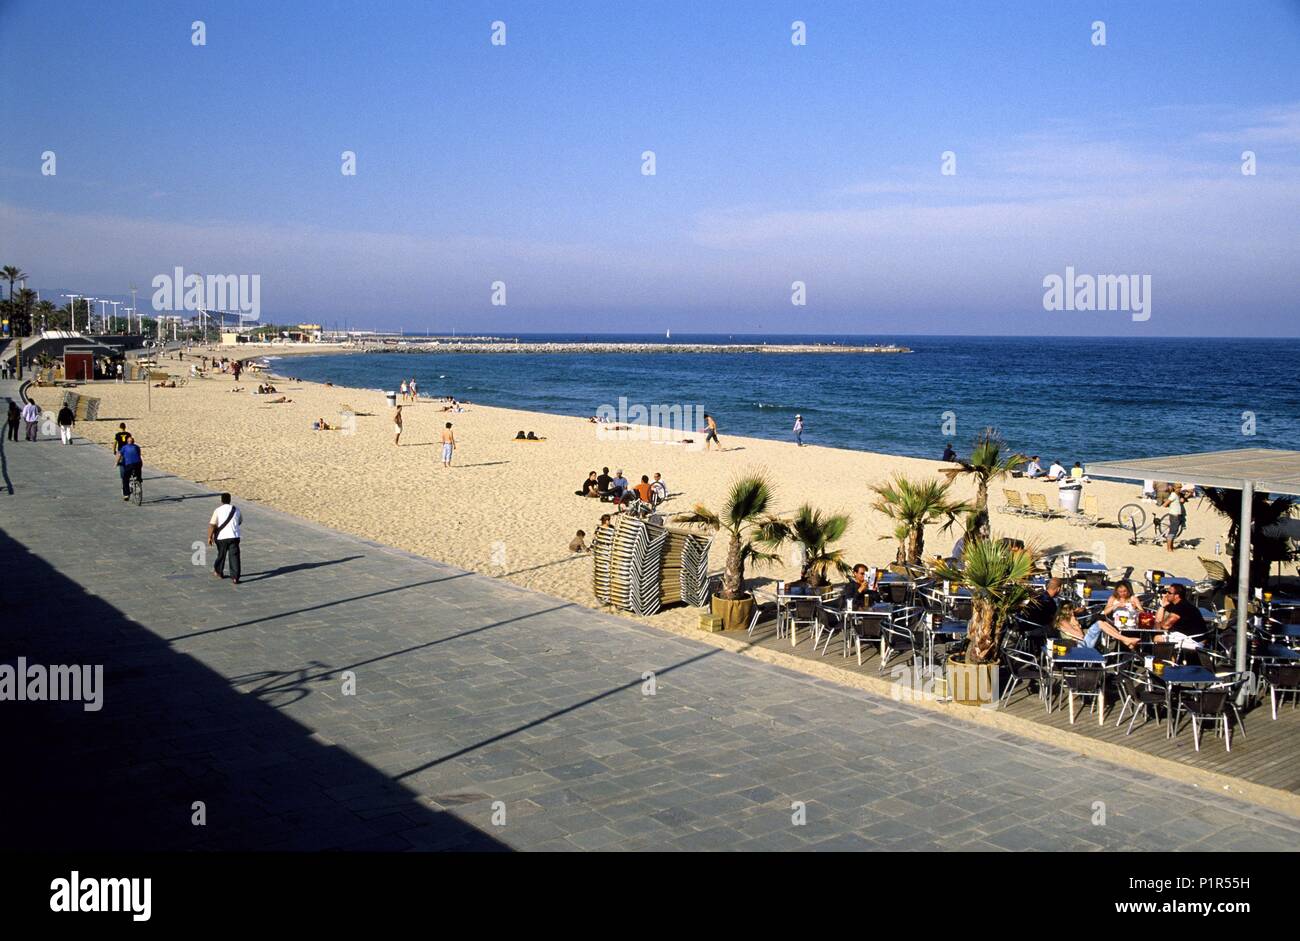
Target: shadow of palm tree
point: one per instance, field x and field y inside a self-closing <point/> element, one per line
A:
<point x="296" y="567"/>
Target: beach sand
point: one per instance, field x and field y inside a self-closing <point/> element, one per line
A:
<point x="508" y="509"/>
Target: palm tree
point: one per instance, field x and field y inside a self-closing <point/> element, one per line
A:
<point x="988" y="462"/>
<point x="20" y="312"/>
<point x="48" y="314"/>
<point x="1264" y="549"/>
<point x="12" y="273"/>
<point x="750" y="528"/>
<point x="816" y="534"/>
<point x="913" y="505"/>
<point x="997" y="574"/>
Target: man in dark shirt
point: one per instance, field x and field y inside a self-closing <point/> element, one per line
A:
<point x="603" y="482"/>
<point x="1178" y="614"/>
<point x="1040" y="611"/>
<point x="857" y="594"/>
<point x="119" y="439"/>
<point x="949" y="455"/>
<point x="589" y="487"/>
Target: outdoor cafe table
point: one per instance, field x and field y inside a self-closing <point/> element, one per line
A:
<point x="947" y="629"/>
<point x="1175" y="677"/>
<point x="1176" y="580"/>
<point x="878" y="611"/>
<point x="1275" y="652"/>
<point x="1088" y="567"/>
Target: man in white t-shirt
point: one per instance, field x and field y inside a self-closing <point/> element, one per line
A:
<point x="1033" y="468"/>
<point x="1056" y="471"/>
<point x="1174" y="518"/>
<point x="223" y="532"/>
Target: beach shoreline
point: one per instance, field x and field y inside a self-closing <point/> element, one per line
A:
<point x="507" y="508"/>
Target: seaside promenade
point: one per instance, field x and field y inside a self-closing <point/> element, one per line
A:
<point x="349" y="695"/>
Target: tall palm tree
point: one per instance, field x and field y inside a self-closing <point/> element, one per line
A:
<point x="997" y="574"/>
<point x="48" y="314"/>
<point x="20" y="312"/>
<point x="817" y="533"/>
<point x="751" y="530"/>
<point x="988" y="462"/>
<point x="1264" y="549"/>
<point x="12" y="273"/>
<point x="913" y="505"/>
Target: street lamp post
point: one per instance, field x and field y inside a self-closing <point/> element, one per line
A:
<point x="72" y="309"/>
<point x="113" y="322"/>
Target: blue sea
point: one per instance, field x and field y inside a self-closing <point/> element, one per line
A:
<point x="1067" y="398"/>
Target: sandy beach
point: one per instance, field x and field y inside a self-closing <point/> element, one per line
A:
<point x="507" y="508"/>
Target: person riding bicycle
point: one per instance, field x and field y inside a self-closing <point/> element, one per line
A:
<point x="129" y="464"/>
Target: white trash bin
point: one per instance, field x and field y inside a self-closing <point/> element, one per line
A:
<point x="392" y="399"/>
<point x="1069" y="495"/>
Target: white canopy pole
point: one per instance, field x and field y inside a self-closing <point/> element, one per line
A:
<point x="1243" y="571"/>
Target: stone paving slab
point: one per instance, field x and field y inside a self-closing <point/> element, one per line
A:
<point x="468" y="692"/>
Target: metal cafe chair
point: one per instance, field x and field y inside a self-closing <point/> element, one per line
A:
<point x="1282" y="679"/>
<point x="1136" y="692"/>
<point x="805" y="611"/>
<point x="1025" y="668"/>
<point x="863" y="626"/>
<point x="897" y="635"/>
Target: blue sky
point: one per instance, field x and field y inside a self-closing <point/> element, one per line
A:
<point x="775" y="163"/>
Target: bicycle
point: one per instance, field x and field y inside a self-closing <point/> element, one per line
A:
<point x="1133" y="517"/>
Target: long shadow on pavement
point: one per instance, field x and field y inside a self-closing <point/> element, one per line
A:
<point x="171" y="732"/>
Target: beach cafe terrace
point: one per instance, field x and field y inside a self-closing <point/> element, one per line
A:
<point x="1235" y="683"/>
<point x="1249" y="470"/>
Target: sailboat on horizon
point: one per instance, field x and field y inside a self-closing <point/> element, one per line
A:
<point x="668" y="334"/>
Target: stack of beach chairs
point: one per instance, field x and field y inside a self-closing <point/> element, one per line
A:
<point x="639" y="566"/>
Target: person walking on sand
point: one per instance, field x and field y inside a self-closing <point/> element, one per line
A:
<point x="397" y="427"/>
<point x="32" y="416"/>
<point x="711" y="432"/>
<point x="414" y="392"/>
<point x="798" y="430"/>
<point x="223" y="532"/>
<point x="448" y="445"/>
<point x="403" y="390"/>
<point x="66" y="419"/>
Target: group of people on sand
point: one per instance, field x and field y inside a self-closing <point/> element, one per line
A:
<point x="447" y="439"/>
<point x="579" y="544"/>
<point x="409" y="390"/>
<point x="266" y="389"/>
<point x="617" y="489"/>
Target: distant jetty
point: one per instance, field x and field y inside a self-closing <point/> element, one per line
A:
<point x="526" y="346"/>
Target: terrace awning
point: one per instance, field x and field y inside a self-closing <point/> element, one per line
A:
<point x="1247" y="469"/>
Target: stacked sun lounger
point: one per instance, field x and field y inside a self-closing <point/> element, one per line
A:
<point x="639" y="566"/>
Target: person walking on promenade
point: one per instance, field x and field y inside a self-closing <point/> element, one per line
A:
<point x="711" y="432"/>
<point x="397" y="427"/>
<point x="223" y="532"/>
<point x="448" y="445"/>
<point x="15" y="415"/>
<point x="32" y="416"/>
<point x="66" y="420"/>
<point x="120" y="436"/>
<point x="798" y="430"/>
<point x="130" y="463"/>
<point x="119" y="372"/>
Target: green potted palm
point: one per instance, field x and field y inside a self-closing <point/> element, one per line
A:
<point x="752" y="532"/>
<point x="988" y="461"/>
<point x="997" y="573"/>
<point x="913" y="505"/>
<point x="816" y="533"/>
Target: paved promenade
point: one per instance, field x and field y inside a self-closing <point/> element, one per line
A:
<point x="474" y="700"/>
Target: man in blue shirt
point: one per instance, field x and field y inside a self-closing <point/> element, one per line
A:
<point x="129" y="464"/>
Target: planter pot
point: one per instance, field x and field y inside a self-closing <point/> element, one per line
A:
<point x="734" y="614"/>
<point x="972" y="684"/>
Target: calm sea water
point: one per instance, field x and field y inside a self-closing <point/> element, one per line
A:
<point x="1083" y="399"/>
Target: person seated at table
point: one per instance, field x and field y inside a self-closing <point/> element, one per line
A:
<point x="1040" y="611"/>
<point x="1067" y="623"/>
<point x="858" y="593"/>
<point x="1181" y="620"/>
<point x="1122" y="598"/>
<point x="1056" y="471"/>
<point x="1033" y="469"/>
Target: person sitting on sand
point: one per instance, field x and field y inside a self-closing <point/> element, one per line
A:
<point x="603" y="480"/>
<point x="280" y="401"/>
<point x="323" y="425"/>
<point x="578" y="545"/>
<point x="658" y="490"/>
<point x="590" y="487"/>
<point x="949" y="455"/>
<point x="618" y="484"/>
<point x="1033" y="469"/>
<point x="644" y="490"/>
<point x="1056" y="471"/>
<point x="532" y="436"/>
<point x="520" y="436"/>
